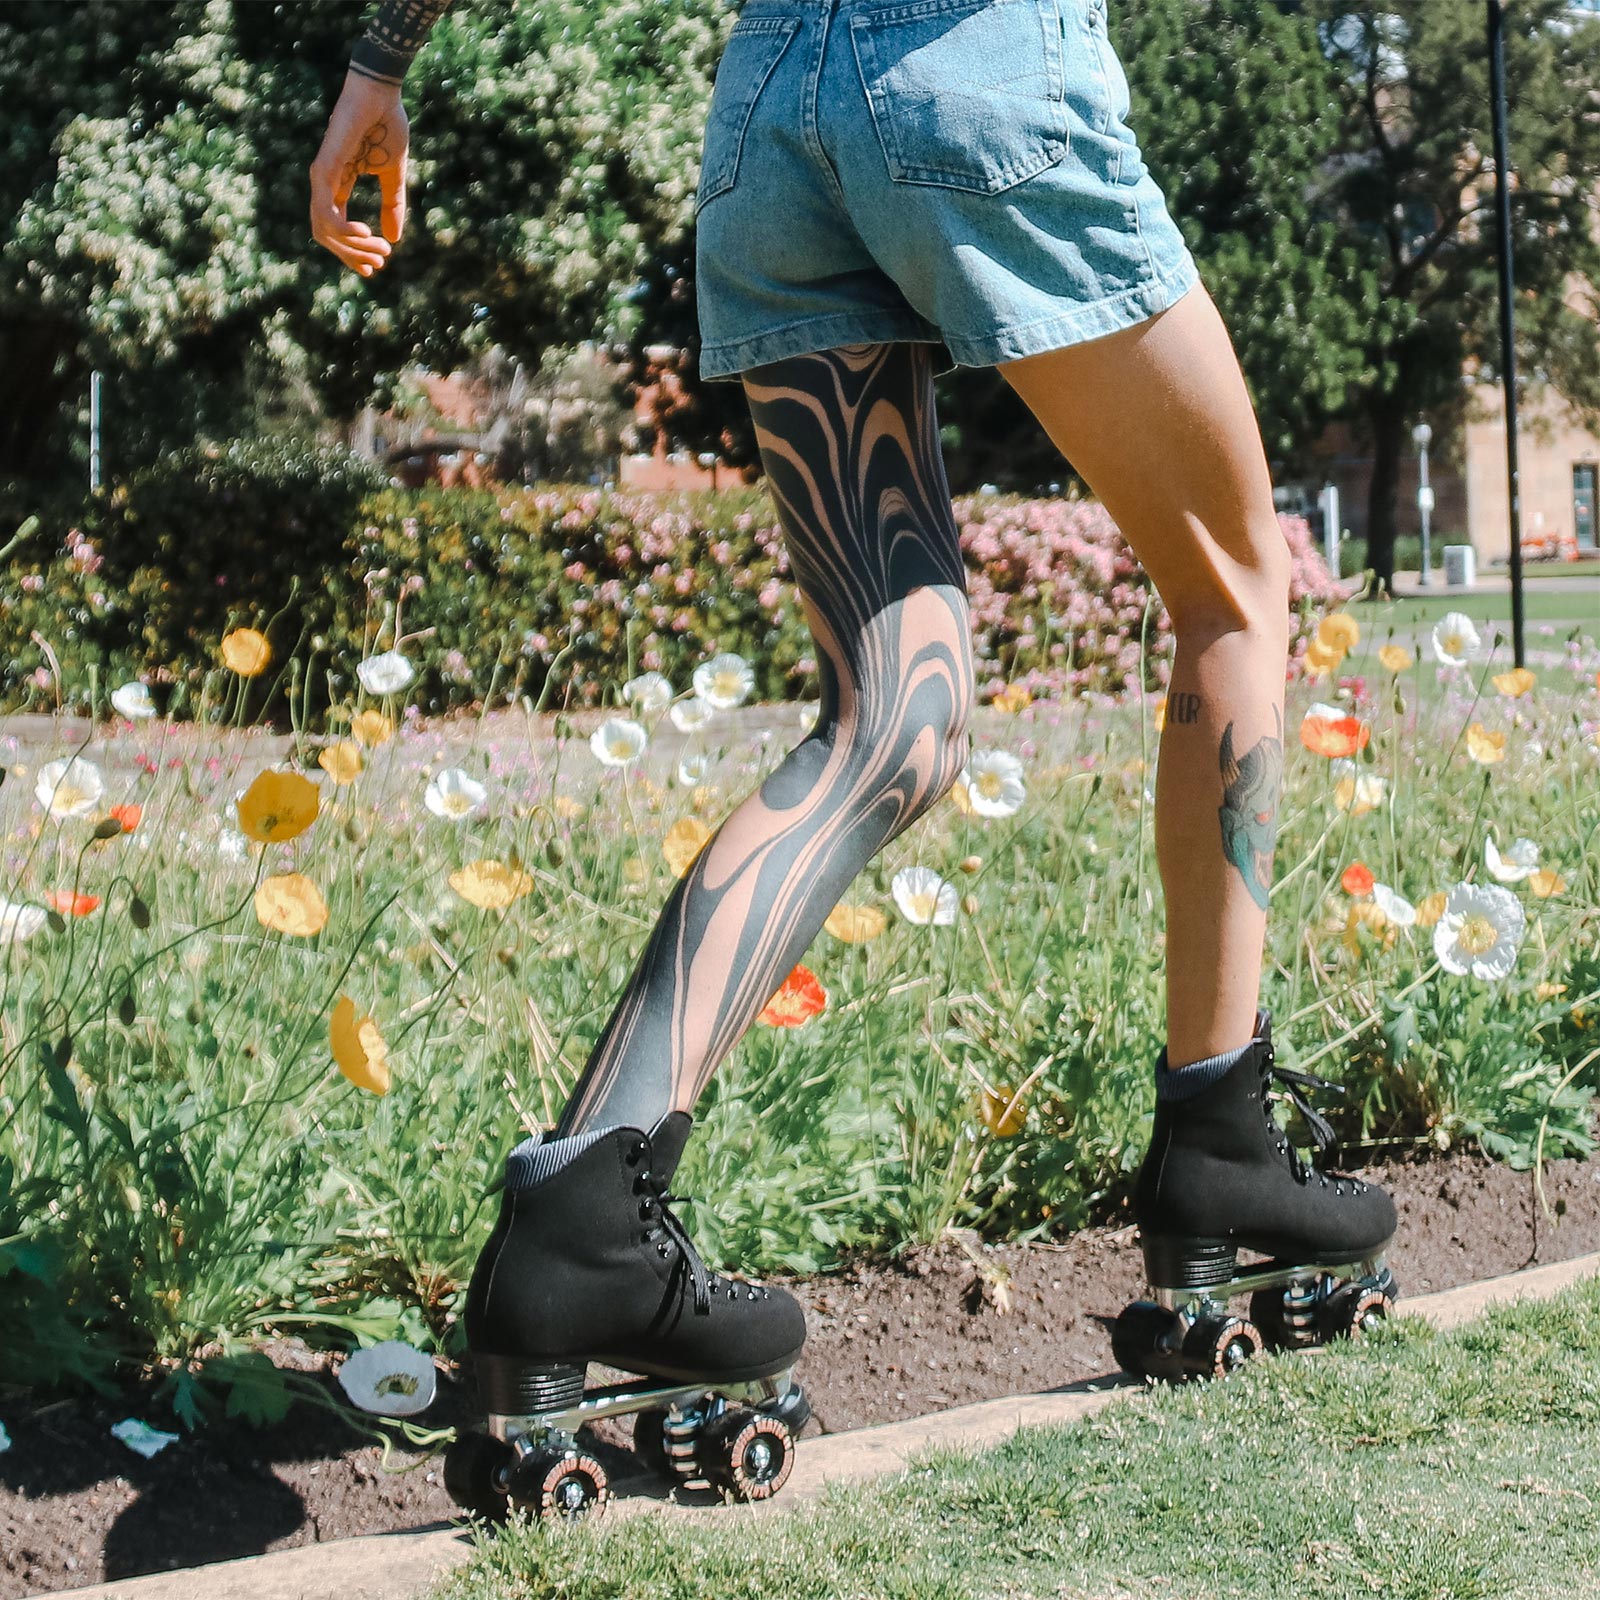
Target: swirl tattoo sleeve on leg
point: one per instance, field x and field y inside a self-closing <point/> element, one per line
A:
<point x="850" y="443"/>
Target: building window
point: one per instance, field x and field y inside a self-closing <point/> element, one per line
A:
<point x="1584" y="474"/>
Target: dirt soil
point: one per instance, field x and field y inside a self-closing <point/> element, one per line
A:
<point x="887" y="1342"/>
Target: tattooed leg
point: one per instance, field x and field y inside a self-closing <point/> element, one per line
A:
<point x="851" y="448"/>
<point x="1158" y="421"/>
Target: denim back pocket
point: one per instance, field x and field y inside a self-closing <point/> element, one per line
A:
<point x="754" y="49"/>
<point x="966" y="94"/>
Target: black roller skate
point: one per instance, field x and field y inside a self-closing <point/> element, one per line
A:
<point x="588" y="1263"/>
<point x="1220" y="1177"/>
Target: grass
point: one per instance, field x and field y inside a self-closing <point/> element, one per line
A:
<point x="1420" y="1466"/>
<point x="1564" y="605"/>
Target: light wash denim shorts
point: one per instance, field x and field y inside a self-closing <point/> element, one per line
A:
<point x="936" y="171"/>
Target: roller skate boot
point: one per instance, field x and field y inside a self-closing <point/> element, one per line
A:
<point x="1221" y="1178"/>
<point x="589" y="1264"/>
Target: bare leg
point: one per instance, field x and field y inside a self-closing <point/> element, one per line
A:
<point x="851" y="448"/>
<point x="1158" y="422"/>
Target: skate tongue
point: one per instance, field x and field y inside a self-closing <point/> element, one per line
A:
<point x="667" y="1140"/>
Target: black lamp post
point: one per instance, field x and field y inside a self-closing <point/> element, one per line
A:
<point x="1508" y="331"/>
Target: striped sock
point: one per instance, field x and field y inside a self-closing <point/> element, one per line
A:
<point x="1183" y="1083"/>
<point x="538" y="1158"/>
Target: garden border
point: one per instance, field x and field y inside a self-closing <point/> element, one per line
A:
<point x="399" y="1566"/>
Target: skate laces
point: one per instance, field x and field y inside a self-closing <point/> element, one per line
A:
<point x="1291" y="1083"/>
<point x="672" y="1226"/>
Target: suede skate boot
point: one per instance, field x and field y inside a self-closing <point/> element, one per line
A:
<point x="1221" y="1176"/>
<point x="588" y="1263"/>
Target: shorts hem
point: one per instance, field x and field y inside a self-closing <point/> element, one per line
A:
<point x="730" y="357"/>
<point x="1080" y="325"/>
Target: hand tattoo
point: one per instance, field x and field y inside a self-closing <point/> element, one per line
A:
<point x="1249" y="813"/>
<point x="372" y="155"/>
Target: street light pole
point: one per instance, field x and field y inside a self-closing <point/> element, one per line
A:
<point x="1423" y="435"/>
<point x="1508" y="329"/>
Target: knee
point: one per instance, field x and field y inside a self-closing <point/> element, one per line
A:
<point x="918" y="748"/>
<point x="1243" y="587"/>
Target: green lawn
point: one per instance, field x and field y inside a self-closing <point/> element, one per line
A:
<point x="1420" y="1466"/>
<point x="1539" y="605"/>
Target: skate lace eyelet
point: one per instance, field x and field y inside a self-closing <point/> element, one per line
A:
<point x="636" y="1154"/>
<point x="663" y="1249"/>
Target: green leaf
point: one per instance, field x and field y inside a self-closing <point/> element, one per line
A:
<point x="257" y="1392"/>
<point x="188" y="1399"/>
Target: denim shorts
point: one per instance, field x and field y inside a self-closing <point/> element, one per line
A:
<point x="939" y="171"/>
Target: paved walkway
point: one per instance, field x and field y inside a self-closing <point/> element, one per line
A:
<point x="401" y="1566"/>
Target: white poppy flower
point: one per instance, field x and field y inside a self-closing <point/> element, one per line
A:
<point x="1455" y="639"/>
<point x="69" y="788"/>
<point x="1321" y="711"/>
<point x="1519" y="862"/>
<point x="692" y="770"/>
<point x="1480" y="932"/>
<point x="391" y="1379"/>
<point x="1395" y="907"/>
<point x="649" y="691"/>
<point x="618" y="741"/>
<point x="232" y="845"/>
<point x="455" y="796"/>
<point x="1355" y="790"/>
<point x="19" y="922"/>
<point x="994" y="783"/>
<point x="923" y="896"/>
<point x="809" y="712"/>
<point x="388" y="673"/>
<point x="133" y="701"/>
<point x="691" y="714"/>
<point x="724" y="681"/>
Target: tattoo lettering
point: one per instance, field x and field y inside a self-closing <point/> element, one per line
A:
<point x="1250" y="788"/>
<point x="1184" y="708"/>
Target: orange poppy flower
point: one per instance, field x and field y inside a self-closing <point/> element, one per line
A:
<point x="70" y="903"/>
<point x="1334" y="736"/>
<point x="128" y="815"/>
<point x="801" y="996"/>
<point x="1357" y="879"/>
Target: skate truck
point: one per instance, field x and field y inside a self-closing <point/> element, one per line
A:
<point x="1221" y="1178"/>
<point x="590" y="1266"/>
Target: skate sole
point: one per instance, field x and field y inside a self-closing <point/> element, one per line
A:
<point x="520" y="1386"/>
<point x="1190" y="1266"/>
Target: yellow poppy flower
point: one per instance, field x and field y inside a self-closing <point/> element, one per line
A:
<point x="1012" y="698"/>
<point x="371" y="728"/>
<point x="1430" y="908"/>
<point x="684" y="841"/>
<point x="1519" y="681"/>
<point x="1369" y="915"/>
<point x="490" y="885"/>
<point x="566" y="806"/>
<point x="246" y="652"/>
<point x="855" y="924"/>
<point x="706" y="798"/>
<point x="960" y="799"/>
<point x="1339" y="631"/>
<point x="1395" y="658"/>
<point x="1002" y="1113"/>
<point x="358" y="1047"/>
<point x="1485" y="745"/>
<point x="1549" y="991"/>
<point x="1545" y="883"/>
<point x="277" y="807"/>
<point x="289" y="902"/>
<point x="342" y="762"/>
<point x="1160" y="713"/>
<point x="1322" y="658"/>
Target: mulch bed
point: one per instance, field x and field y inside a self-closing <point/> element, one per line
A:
<point x="887" y="1342"/>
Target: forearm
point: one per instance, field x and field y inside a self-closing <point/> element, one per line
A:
<point x="397" y="31"/>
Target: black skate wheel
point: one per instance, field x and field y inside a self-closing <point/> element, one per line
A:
<point x="1217" y="1346"/>
<point x="476" y="1469"/>
<point x="560" y="1483"/>
<point x="1139" y="1339"/>
<point x="791" y="1406"/>
<point x="748" y="1454"/>
<point x="1356" y="1310"/>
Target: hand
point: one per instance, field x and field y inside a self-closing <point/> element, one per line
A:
<point x="367" y="133"/>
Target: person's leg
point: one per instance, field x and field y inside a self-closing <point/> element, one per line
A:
<point x="1157" y="421"/>
<point x="850" y="445"/>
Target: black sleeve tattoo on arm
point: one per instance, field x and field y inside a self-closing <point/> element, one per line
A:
<point x="395" y="34"/>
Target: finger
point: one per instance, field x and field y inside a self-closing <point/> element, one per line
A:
<point x="392" y="181"/>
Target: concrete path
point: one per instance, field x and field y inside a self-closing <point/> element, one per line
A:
<point x="399" y="1566"/>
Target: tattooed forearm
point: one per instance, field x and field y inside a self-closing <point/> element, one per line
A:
<point x="1250" y="788"/>
<point x="396" y="33"/>
<point x="1183" y="708"/>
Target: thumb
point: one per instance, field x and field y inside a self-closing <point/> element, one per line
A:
<point x="392" y="184"/>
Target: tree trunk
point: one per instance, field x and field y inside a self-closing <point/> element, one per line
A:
<point x="1387" y="418"/>
<point x="41" y="367"/>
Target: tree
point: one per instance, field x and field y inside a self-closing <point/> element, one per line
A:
<point x="1412" y="195"/>
<point x="153" y="190"/>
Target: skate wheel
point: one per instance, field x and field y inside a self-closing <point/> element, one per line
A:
<point x="1356" y="1310"/>
<point x="560" y="1483"/>
<point x="1217" y="1346"/>
<point x="1139" y="1338"/>
<point x="476" y="1471"/>
<point x="791" y="1407"/>
<point x="749" y="1454"/>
